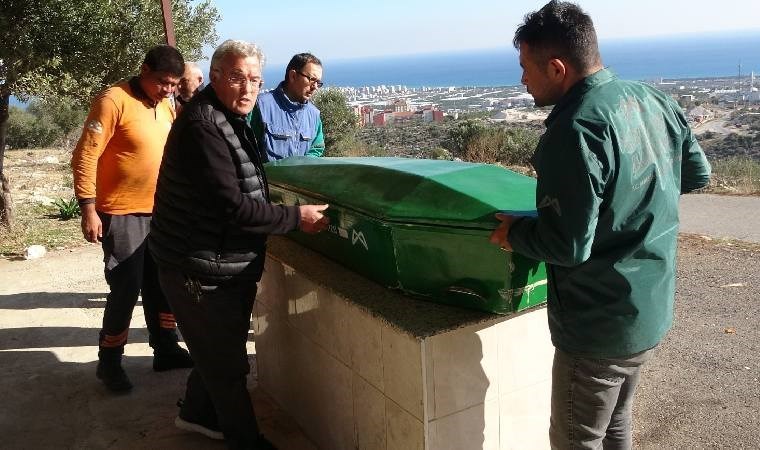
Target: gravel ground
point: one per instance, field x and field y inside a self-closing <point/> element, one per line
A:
<point x="702" y="391"/>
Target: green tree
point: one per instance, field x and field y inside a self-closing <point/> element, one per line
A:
<point x="479" y="142"/>
<point x="462" y="133"/>
<point x="27" y="130"/>
<point x="518" y="145"/>
<point x="54" y="121"/>
<point x="75" y="48"/>
<point x="338" y="119"/>
<point x="60" y="112"/>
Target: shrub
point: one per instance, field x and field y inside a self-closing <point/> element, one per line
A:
<point x="518" y="145"/>
<point x="350" y="146"/>
<point x="338" y="119"/>
<point x="708" y="135"/>
<point x="736" y="174"/>
<point x="438" y="153"/>
<point x="67" y="209"/>
<point x="25" y="130"/>
<point x="462" y="133"/>
<point x="45" y="123"/>
<point x="509" y="146"/>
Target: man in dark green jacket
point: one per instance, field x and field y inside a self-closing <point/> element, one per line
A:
<point x="615" y="157"/>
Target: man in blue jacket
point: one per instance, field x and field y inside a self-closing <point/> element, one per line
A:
<point x="285" y="121"/>
<point x="615" y="157"/>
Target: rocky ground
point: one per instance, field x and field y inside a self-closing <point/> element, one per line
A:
<point x="38" y="178"/>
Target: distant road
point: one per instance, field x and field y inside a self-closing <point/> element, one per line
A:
<point x="721" y="216"/>
<point x="717" y="125"/>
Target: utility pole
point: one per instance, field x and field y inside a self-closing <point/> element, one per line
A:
<point x="166" y="9"/>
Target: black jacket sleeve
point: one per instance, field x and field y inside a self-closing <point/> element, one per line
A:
<point x="207" y="157"/>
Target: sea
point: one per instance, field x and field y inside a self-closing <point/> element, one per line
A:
<point x="650" y="59"/>
<point x="685" y="56"/>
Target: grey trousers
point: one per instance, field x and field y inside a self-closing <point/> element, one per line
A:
<point x="592" y="400"/>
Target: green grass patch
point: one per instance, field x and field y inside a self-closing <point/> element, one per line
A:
<point x="41" y="225"/>
<point x="736" y="175"/>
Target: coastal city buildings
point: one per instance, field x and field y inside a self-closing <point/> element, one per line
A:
<point x="382" y="105"/>
<point x="386" y="104"/>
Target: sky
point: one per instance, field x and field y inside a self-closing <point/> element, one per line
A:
<point x="341" y="29"/>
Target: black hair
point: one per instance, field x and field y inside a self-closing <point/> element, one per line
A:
<point x="165" y="58"/>
<point x="297" y="62"/>
<point x="561" y="30"/>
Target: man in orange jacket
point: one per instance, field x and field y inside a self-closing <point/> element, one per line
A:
<point x="115" y="167"/>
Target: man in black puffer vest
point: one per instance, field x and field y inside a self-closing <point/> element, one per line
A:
<point x="208" y="235"/>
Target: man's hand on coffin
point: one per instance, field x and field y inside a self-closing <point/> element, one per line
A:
<point x="313" y="219"/>
<point x="500" y="235"/>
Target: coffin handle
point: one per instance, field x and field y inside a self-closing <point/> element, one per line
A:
<point x="461" y="290"/>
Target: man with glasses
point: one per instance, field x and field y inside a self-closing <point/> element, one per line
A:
<point x="115" y="166"/>
<point x="285" y="121"/>
<point x="208" y="236"/>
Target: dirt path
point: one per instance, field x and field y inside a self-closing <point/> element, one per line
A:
<point x="50" y="314"/>
<point x="701" y="391"/>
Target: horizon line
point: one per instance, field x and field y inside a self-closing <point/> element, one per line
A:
<point x="507" y="46"/>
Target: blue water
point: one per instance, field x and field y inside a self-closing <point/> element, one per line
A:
<point x="712" y="55"/>
<point x="644" y="59"/>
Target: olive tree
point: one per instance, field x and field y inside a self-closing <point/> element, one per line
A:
<point x="72" y="49"/>
<point x="338" y="119"/>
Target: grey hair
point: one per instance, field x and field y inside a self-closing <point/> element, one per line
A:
<point x="236" y="48"/>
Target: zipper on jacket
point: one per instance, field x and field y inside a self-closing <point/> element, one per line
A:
<point x="219" y="251"/>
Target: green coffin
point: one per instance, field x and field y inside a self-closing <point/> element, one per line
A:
<point x="417" y="225"/>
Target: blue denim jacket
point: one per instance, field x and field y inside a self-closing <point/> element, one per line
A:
<point x="285" y="128"/>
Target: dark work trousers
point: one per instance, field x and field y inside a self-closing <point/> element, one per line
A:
<point x="130" y="271"/>
<point x="214" y="321"/>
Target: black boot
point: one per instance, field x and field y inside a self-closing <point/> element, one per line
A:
<point x="205" y="424"/>
<point x="167" y="354"/>
<point x="263" y="444"/>
<point x="110" y="372"/>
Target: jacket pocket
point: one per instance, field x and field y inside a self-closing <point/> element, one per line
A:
<point x="278" y="132"/>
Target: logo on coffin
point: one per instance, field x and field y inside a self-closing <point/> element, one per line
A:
<point x="358" y="236"/>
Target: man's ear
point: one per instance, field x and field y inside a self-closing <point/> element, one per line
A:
<point x="144" y="70"/>
<point x="291" y="76"/>
<point x="557" y="70"/>
<point x="213" y="75"/>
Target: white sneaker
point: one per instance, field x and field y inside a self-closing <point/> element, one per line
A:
<point x="183" y="424"/>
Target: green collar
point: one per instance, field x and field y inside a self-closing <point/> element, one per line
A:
<point x="578" y="90"/>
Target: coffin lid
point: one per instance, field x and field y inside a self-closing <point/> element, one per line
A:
<point x="405" y="190"/>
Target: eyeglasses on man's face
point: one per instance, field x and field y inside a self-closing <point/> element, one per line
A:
<point x="237" y="79"/>
<point x="314" y="81"/>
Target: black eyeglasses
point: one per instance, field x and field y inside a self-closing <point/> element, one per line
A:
<point x="312" y="80"/>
